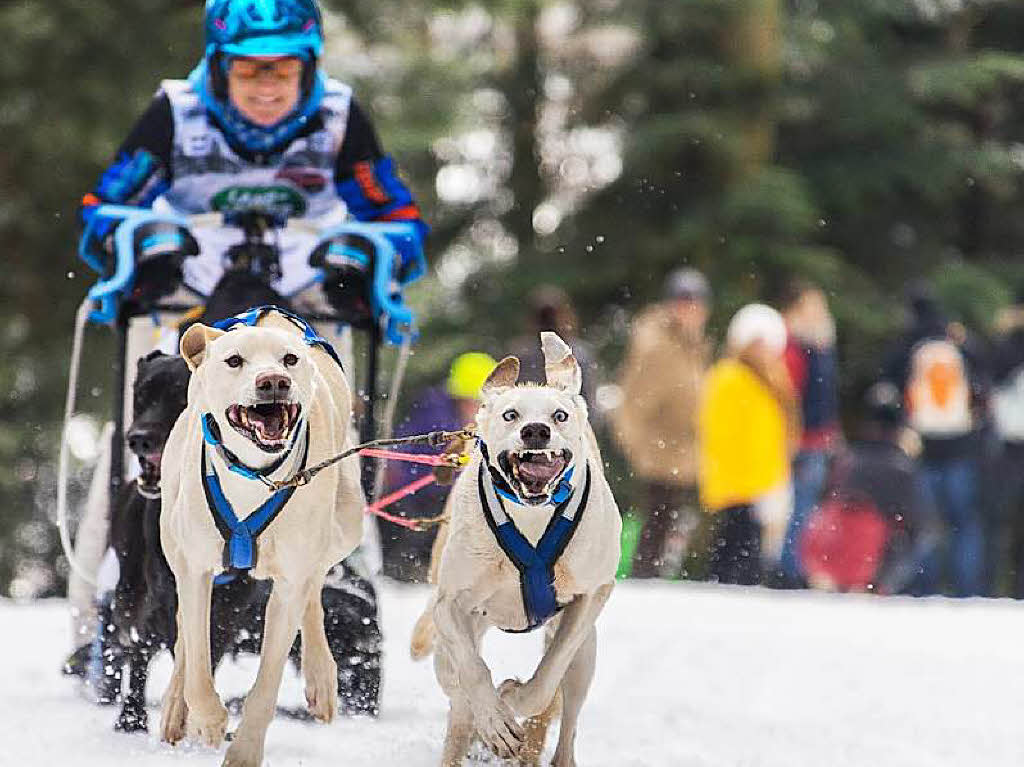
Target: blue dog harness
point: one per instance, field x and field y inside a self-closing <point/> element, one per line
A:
<point x="536" y="565"/>
<point x="240" y="535"/>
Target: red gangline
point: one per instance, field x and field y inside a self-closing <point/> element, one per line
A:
<point x="378" y="506"/>
<point x="429" y="460"/>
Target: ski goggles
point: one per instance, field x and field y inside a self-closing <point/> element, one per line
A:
<point x="283" y="69"/>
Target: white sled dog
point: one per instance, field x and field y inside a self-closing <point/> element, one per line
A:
<point x="263" y="400"/>
<point x="533" y="540"/>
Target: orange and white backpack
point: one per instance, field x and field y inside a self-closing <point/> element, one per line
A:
<point x="938" y="392"/>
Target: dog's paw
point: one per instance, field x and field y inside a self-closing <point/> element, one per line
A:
<point x="520" y="698"/>
<point x="498" y="729"/>
<point x="172" y="720"/>
<point x="322" y="696"/>
<point x="509" y="691"/>
<point x="209" y="729"/>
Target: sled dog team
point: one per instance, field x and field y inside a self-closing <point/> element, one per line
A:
<point x="532" y="538"/>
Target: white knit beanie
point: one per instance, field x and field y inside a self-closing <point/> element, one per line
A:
<point x="757" y="322"/>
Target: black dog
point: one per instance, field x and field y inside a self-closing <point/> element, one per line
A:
<point x="142" y="613"/>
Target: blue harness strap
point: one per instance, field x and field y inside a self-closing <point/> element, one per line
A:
<point x="240" y="535"/>
<point x="536" y="565"/>
<point x="212" y="437"/>
<point x="250" y="317"/>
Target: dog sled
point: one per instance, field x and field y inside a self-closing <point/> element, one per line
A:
<point x="351" y="281"/>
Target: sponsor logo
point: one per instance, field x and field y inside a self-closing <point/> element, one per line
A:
<point x="308" y="179"/>
<point x="280" y="201"/>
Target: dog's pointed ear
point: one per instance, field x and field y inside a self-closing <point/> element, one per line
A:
<point x="148" y="358"/>
<point x="561" y="370"/>
<point x="194" y="343"/>
<point x="503" y="376"/>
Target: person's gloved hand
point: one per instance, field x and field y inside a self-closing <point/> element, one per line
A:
<point x="160" y="250"/>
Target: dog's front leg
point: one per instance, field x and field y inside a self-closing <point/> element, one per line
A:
<point x="207" y="718"/>
<point x="284" y="610"/>
<point x="495" y="722"/>
<point x="575" y="624"/>
<point x="318" y="665"/>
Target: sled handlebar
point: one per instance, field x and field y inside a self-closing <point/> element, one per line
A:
<point x="106" y="292"/>
<point x="398" y="258"/>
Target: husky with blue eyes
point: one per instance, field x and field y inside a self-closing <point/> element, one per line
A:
<point x="533" y="540"/>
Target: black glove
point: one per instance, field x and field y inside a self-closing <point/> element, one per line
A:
<point x="160" y="250"/>
<point x="347" y="263"/>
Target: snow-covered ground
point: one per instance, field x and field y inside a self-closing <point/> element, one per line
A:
<point x="687" y="675"/>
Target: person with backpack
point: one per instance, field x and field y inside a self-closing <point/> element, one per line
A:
<point x="877" y="524"/>
<point x="942" y="376"/>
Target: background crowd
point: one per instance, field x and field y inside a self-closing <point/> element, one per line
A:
<point x="599" y="145"/>
<point x="742" y="469"/>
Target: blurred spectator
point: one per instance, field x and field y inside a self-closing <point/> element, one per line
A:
<point x="813" y="369"/>
<point x="941" y="374"/>
<point x="550" y="309"/>
<point x="1008" y="417"/>
<point x="656" y="422"/>
<point x="878" y="524"/>
<point x="748" y="427"/>
<point x="406" y="553"/>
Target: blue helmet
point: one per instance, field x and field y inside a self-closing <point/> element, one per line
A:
<point x="264" y="28"/>
<point x="260" y="28"/>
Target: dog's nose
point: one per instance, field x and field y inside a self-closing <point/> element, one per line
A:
<point x="535" y="435"/>
<point x="143" y="440"/>
<point x="273" y="383"/>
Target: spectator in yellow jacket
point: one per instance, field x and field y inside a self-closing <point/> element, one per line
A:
<point x="747" y="426"/>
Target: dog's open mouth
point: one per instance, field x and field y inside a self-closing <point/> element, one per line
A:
<point x="269" y="425"/>
<point x="148" y="483"/>
<point x="535" y="472"/>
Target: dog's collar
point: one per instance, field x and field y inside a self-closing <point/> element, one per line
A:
<point x="212" y="437"/>
<point x="240" y="535"/>
<point x="152" y="495"/>
<point x="502" y="487"/>
<point x="536" y="564"/>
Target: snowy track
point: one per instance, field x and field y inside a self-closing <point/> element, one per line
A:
<point x="687" y="675"/>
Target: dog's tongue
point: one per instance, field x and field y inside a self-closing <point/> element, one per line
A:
<point x="150" y="463"/>
<point x="269" y="421"/>
<point x="540" y="469"/>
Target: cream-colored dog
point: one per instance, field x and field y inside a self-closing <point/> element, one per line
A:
<point x="533" y="535"/>
<point x="259" y="397"/>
